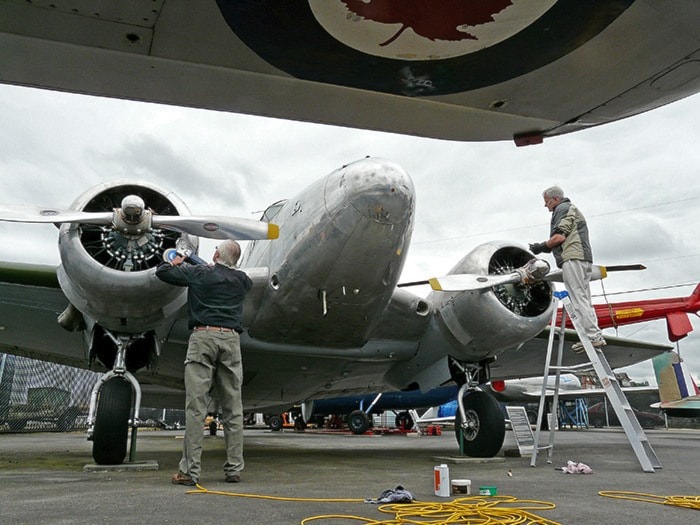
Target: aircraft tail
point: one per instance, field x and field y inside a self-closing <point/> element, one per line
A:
<point x="678" y="323"/>
<point x="694" y="300"/>
<point x="679" y="394"/>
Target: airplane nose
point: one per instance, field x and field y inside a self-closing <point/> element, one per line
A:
<point x="378" y="189"/>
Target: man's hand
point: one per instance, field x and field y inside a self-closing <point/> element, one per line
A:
<point x="539" y="247"/>
<point x="177" y="260"/>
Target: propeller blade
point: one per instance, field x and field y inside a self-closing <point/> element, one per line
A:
<point x="625" y="267"/>
<point x="598" y="272"/>
<point x="468" y="281"/>
<point x="218" y="227"/>
<point x="534" y="270"/>
<point x="39" y="214"/>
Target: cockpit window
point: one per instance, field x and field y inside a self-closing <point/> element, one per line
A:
<point x="272" y="211"/>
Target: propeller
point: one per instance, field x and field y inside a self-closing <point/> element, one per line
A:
<point x="134" y="219"/>
<point x="598" y="272"/>
<point x="534" y="270"/>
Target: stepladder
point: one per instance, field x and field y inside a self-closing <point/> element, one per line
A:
<point x="596" y="360"/>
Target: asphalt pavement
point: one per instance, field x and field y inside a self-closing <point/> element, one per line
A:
<point x="46" y="478"/>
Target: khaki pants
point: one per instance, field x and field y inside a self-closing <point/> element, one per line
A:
<point x="213" y="368"/>
<point x="577" y="278"/>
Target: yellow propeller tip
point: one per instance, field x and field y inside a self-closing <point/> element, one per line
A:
<point x="435" y="284"/>
<point x="273" y="231"/>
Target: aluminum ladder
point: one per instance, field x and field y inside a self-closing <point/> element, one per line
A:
<point x="635" y="434"/>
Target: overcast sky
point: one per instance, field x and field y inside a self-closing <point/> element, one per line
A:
<point x="636" y="181"/>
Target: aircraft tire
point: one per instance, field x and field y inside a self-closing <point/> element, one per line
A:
<point x="112" y="422"/>
<point x="358" y="422"/>
<point x="487" y="430"/>
<point x="403" y="420"/>
<point x="275" y="423"/>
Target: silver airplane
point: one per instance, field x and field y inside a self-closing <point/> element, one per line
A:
<point x="499" y="70"/>
<point x="325" y="317"/>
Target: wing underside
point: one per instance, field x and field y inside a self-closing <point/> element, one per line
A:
<point x="529" y="359"/>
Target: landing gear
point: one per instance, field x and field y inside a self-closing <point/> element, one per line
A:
<point x="404" y="421"/>
<point x="358" y="422"/>
<point x="112" y="422"/>
<point x="481" y="430"/>
<point x="276" y="423"/>
<point x="480" y="426"/>
<point x="110" y="406"/>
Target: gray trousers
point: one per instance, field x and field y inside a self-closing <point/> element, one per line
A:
<point x="577" y="278"/>
<point x="213" y="368"/>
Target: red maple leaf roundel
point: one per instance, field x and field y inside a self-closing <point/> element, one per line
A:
<point x="428" y="18"/>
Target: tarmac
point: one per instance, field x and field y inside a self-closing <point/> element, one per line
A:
<point x="46" y="478"/>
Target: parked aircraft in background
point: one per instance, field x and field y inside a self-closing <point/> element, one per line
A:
<point x="674" y="309"/>
<point x="497" y="70"/>
<point x="315" y="326"/>
<point x="680" y="396"/>
<point x="358" y="410"/>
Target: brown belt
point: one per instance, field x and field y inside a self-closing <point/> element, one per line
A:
<point x="212" y="329"/>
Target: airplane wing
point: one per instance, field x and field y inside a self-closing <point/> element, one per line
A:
<point x="501" y="71"/>
<point x="584" y="392"/>
<point x="528" y="360"/>
<point x="30" y="302"/>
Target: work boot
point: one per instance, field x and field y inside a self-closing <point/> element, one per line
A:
<point x="597" y="342"/>
<point x="183" y="479"/>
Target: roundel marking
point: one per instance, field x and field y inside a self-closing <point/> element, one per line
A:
<point x="405" y="48"/>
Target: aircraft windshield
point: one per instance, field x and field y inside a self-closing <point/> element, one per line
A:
<point x="272" y="211"/>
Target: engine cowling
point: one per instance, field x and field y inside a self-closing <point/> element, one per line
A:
<point x="108" y="275"/>
<point x="483" y="323"/>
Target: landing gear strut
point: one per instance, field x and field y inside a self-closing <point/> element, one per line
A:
<point x="479" y="421"/>
<point x="110" y="405"/>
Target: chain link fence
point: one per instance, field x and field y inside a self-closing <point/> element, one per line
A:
<point x="40" y="396"/>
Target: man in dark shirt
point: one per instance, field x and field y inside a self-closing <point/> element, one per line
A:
<point x="213" y="364"/>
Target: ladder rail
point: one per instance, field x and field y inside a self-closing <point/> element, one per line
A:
<point x="543" y="393"/>
<point x="625" y="414"/>
<point x="635" y="434"/>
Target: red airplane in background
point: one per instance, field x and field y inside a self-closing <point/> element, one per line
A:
<point x="674" y="309"/>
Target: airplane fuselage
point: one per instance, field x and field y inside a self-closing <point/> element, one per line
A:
<point x="343" y="243"/>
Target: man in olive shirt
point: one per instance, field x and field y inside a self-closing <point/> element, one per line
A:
<point x="572" y="252"/>
<point x="213" y="363"/>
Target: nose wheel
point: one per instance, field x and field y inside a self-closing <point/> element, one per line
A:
<point x="111" y="429"/>
<point x="111" y="401"/>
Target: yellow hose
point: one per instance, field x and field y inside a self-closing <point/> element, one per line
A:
<point x="473" y="510"/>
<point x="689" y="502"/>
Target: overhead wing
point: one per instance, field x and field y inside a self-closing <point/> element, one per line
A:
<point x="476" y="74"/>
